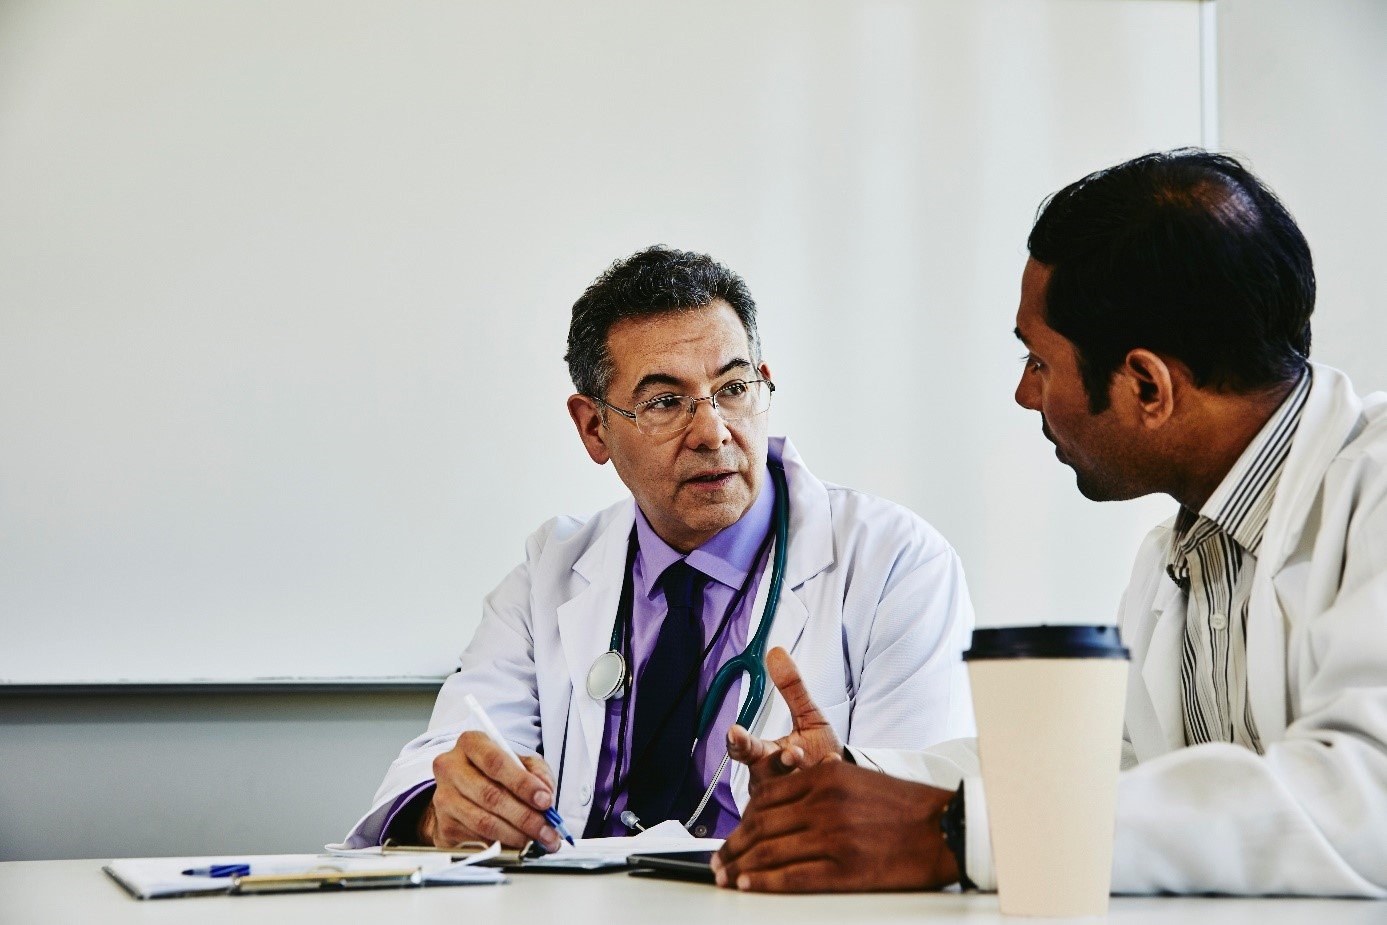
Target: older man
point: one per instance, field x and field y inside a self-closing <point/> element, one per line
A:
<point x="1166" y="314"/>
<point x="596" y="655"/>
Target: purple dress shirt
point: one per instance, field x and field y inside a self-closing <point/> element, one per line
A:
<point x="727" y="559"/>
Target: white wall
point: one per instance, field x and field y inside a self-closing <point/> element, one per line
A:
<point x="1303" y="96"/>
<point x="286" y="287"/>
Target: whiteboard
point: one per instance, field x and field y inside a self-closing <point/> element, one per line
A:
<point x="284" y="290"/>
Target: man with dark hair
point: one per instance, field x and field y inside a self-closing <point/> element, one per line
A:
<point x="598" y="658"/>
<point x="1166" y="310"/>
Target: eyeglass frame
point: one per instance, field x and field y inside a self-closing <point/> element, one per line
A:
<point x="711" y="398"/>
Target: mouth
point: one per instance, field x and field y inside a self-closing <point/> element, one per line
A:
<point x="712" y="479"/>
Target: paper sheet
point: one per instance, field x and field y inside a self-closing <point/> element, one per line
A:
<point x="660" y="839"/>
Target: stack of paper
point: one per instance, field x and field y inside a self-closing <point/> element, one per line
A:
<point x="668" y="836"/>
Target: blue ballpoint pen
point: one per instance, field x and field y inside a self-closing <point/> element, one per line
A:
<point x="551" y="814"/>
<point x="219" y="870"/>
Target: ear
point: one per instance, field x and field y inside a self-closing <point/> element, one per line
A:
<point x="587" y="417"/>
<point x="1148" y="382"/>
<point x="764" y="372"/>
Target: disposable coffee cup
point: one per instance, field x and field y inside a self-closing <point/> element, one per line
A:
<point x="1049" y="703"/>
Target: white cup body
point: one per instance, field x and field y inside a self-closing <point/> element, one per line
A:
<point x="1050" y="744"/>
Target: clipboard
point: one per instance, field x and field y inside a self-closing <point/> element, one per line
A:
<point x="167" y="878"/>
<point x="506" y="857"/>
<point x="529" y="859"/>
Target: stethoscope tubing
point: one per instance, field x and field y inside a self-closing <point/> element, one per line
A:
<point x="751" y="661"/>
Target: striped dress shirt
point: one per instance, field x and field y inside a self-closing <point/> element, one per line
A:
<point x="1212" y="557"/>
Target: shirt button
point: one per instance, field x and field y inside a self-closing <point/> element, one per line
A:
<point x="585" y="794"/>
<point x="1218" y="621"/>
<point x="700" y="831"/>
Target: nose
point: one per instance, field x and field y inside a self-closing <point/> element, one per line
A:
<point x="707" y="430"/>
<point x="1028" y="391"/>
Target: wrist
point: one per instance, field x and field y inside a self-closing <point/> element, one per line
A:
<point x="423" y="830"/>
<point x="953" y="826"/>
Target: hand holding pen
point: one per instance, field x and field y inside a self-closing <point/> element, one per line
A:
<point x="486" y="792"/>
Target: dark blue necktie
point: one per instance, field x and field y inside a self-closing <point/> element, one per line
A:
<point x="666" y="708"/>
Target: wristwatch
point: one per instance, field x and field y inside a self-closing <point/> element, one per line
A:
<point x="953" y="825"/>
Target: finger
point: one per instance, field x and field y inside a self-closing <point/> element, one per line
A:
<point x="816" y="876"/>
<point x="791" y="847"/>
<point x="463" y="820"/>
<point x="789" y="758"/>
<point x="803" y="711"/>
<point x="775" y="786"/>
<point x="495" y="800"/>
<point x="539" y="768"/>
<point x="760" y="825"/>
<point x="493" y="761"/>
<point x="746" y="748"/>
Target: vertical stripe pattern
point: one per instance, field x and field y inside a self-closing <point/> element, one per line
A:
<point x="1213" y="557"/>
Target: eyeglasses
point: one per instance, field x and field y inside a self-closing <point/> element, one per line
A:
<point x="735" y="402"/>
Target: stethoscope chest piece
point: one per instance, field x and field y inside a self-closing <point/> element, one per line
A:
<point x="607" y="675"/>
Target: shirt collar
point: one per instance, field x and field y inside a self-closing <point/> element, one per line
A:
<point x="728" y="557"/>
<point x="1241" y="503"/>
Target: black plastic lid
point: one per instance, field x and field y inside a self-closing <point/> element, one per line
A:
<point x="1046" y="641"/>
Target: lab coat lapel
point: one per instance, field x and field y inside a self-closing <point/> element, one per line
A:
<point x="585" y="621"/>
<point x="1155" y="722"/>
<point x="1332" y="410"/>
<point x="809" y="552"/>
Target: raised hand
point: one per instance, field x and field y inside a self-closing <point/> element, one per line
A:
<point x="810" y="742"/>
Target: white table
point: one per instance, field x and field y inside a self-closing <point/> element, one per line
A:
<point x="73" y="892"/>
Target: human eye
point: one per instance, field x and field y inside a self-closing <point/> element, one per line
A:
<point x="1032" y="362"/>
<point x="734" y="389"/>
<point x="663" y="403"/>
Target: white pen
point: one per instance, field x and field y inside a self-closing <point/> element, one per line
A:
<point x="551" y="814"/>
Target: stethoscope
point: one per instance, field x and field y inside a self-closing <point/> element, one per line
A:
<point x="609" y="675"/>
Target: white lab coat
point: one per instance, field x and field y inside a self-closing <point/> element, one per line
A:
<point x="1309" y="816"/>
<point x="874" y="610"/>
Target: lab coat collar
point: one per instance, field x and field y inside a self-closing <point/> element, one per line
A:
<point x="585" y="620"/>
<point x="1333" y="412"/>
<point x="811" y="520"/>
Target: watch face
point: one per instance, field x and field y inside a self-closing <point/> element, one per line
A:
<point x="606" y="675"/>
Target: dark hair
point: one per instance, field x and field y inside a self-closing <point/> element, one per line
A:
<point x="1187" y="254"/>
<point x="655" y="280"/>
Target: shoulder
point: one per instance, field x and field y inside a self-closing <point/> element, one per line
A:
<point x="1368" y="444"/>
<point x="863" y="520"/>
<point x="1355" y="479"/>
<point x="568" y="536"/>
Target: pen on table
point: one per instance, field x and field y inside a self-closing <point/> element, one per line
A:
<point x="219" y="870"/>
<point x="551" y="814"/>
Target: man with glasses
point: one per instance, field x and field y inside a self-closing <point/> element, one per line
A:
<point x="669" y="585"/>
